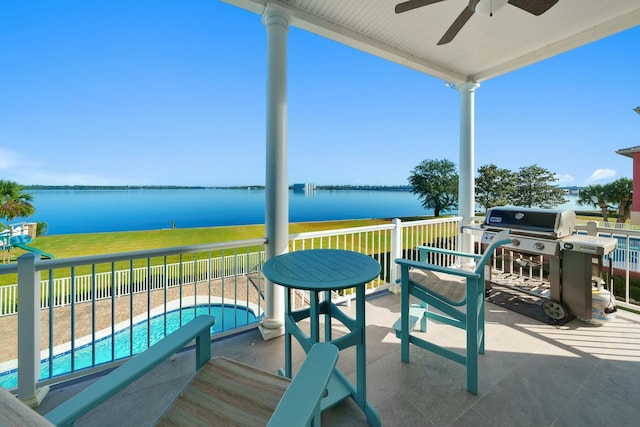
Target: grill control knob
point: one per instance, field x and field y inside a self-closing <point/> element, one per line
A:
<point x="538" y="245"/>
<point x="515" y="242"/>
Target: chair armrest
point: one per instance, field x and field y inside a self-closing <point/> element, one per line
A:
<point x="426" y="266"/>
<point x="301" y="402"/>
<point x="199" y="328"/>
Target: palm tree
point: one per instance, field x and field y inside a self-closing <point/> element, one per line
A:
<point x="14" y="201"/>
<point x="614" y="196"/>
<point x="596" y="196"/>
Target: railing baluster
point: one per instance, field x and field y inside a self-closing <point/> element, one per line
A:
<point x="113" y="311"/>
<point x="73" y="319"/>
<point x="131" y="308"/>
<point x="222" y="290"/>
<point x="93" y="315"/>
<point x="180" y="282"/>
<point x="51" y="326"/>
<point x="148" y="302"/>
<point x="165" y="289"/>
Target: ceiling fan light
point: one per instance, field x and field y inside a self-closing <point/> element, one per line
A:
<point x="488" y="7"/>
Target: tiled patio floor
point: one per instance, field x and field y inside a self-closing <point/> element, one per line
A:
<point x="532" y="374"/>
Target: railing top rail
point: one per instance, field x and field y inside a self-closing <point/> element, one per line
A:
<point x="611" y="230"/>
<point x="150" y="253"/>
<point x="364" y="229"/>
<point x="434" y="220"/>
<point x="352" y="230"/>
<point x="9" y="269"/>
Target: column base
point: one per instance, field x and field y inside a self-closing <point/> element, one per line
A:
<point x="271" y="328"/>
<point x="36" y="400"/>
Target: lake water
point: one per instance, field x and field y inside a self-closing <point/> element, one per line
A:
<point x="90" y="211"/>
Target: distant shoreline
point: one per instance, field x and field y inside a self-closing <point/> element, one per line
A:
<point x="231" y="187"/>
<point x="189" y="187"/>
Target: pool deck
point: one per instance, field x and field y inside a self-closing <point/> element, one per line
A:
<point x="532" y="374"/>
<point x="124" y="309"/>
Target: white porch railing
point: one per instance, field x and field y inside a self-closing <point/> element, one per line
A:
<point x="136" y="280"/>
<point x="625" y="259"/>
<point x="83" y="299"/>
<point x="132" y="285"/>
<point x="384" y="242"/>
<point x="108" y="299"/>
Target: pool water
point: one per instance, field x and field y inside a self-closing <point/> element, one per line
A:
<point x="227" y="317"/>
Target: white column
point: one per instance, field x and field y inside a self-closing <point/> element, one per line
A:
<point x="277" y="185"/>
<point x="466" y="186"/>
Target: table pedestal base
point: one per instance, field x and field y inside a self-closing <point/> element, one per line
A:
<point x="339" y="387"/>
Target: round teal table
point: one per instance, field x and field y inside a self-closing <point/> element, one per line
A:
<point x="321" y="271"/>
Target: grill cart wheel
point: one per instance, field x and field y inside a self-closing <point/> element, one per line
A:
<point x="554" y="310"/>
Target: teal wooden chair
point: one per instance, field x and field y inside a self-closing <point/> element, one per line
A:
<point x="222" y="392"/>
<point x="458" y="295"/>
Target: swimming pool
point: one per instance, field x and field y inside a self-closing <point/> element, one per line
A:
<point x="227" y="317"/>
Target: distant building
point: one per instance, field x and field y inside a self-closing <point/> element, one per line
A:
<point x="634" y="153"/>
<point x="304" y="187"/>
<point x="573" y="190"/>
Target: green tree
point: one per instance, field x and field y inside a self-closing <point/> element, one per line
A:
<point x="620" y="197"/>
<point x="534" y="187"/>
<point x="14" y="201"/>
<point x="436" y="182"/>
<point x="596" y="196"/>
<point x="494" y="186"/>
<point x="41" y="228"/>
<point x="612" y="198"/>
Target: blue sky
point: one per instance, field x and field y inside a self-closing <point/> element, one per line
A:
<point x="172" y="92"/>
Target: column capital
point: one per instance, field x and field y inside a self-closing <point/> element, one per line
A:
<point x="274" y="15"/>
<point x="469" y="86"/>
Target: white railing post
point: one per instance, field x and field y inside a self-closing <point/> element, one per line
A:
<point x="396" y="252"/>
<point x="29" y="331"/>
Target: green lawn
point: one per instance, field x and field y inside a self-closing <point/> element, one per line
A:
<point x="73" y="245"/>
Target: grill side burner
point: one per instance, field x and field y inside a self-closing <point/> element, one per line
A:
<point x="525" y="243"/>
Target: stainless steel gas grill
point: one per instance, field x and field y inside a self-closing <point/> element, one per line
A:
<point x="546" y="259"/>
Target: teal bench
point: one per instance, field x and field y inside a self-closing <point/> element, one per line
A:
<point x="261" y="398"/>
<point x="199" y="329"/>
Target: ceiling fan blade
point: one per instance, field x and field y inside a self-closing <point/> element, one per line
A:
<point x="457" y="25"/>
<point x="414" y="4"/>
<point x="536" y="7"/>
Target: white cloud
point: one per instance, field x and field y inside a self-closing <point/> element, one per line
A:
<point x="53" y="178"/>
<point x="564" y="179"/>
<point x="601" y="175"/>
<point x="16" y="167"/>
<point x="9" y="159"/>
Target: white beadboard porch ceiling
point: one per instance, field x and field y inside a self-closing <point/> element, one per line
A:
<point x="486" y="47"/>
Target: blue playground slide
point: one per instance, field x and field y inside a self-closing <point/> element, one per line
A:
<point x="21" y="242"/>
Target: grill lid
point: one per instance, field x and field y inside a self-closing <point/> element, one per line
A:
<point x="548" y="222"/>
